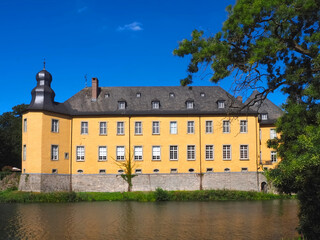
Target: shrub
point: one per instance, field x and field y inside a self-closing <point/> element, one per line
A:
<point x="161" y="195"/>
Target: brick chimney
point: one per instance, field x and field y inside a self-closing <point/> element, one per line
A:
<point x="239" y="98"/>
<point x="95" y="86"/>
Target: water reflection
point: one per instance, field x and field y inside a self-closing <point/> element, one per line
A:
<point x="132" y="220"/>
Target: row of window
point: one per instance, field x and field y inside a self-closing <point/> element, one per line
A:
<point x="156" y="170"/>
<point x="156" y="152"/>
<point x="155" y="104"/>
<point x="156" y="127"/>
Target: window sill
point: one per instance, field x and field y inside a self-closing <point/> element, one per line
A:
<point x="120" y="134"/>
<point x="209" y="159"/>
<point x="104" y="160"/>
<point x="79" y="160"/>
<point x="173" y="159"/>
<point x="191" y="159"/>
<point x="138" y="160"/>
<point x="103" y="134"/>
<point x="226" y="159"/>
<point x="138" y="134"/>
<point x="54" y="159"/>
<point x="155" y="133"/>
<point x="244" y="159"/>
<point x="156" y="160"/>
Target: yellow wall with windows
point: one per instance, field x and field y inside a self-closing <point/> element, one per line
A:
<point x="38" y="140"/>
<point x="182" y="139"/>
<point x="265" y="151"/>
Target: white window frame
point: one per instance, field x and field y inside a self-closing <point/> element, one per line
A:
<point x="80" y="153"/>
<point x="25" y="126"/>
<point x="121" y="105"/>
<point x="273" y="133"/>
<point x="264" y="116"/>
<point x="138" y="153"/>
<point x="209" y="126"/>
<point x="55" y="125"/>
<point x="243" y="126"/>
<point x="173" y="127"/>
<point x="173" y="152"/>
<point x="156" y="127"/>
<point x="190" y="104"/>
<point x="24" y="152"/>
<point x="120" y="153"/>
<point x="155" y="104"/>
<point x="156" y="153"/>
<point x="221" y="104"/>
<point x="273" y="156"/>
<point x="138" y="128"/>
<point x="103" y="128"/>
<point x="226" y="152"/>
<point x="190" y="127"/>
<point x="244" y="169"/>
<point x="102" y="153"/>
<point x="138" y="171"/>
<point x="84" y="127"/>
<point x="120" y="128"/>
<point x="54" y="152"/>
<point x="226" y="126"/>
<point x="244" y="152"/>
<point x="209" y="152"/>
<point x="191" y="152"/>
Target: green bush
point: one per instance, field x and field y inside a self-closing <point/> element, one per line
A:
<point x="161" y="195"/>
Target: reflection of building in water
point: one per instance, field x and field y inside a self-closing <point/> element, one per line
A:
<point x="179" y="138"/>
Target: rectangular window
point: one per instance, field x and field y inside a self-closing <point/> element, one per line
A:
<point x="189" y="105"/>
<point x="84" y="127"/>
<point x="264" y="116"/>
<point x="173" y="153"/>
<point x="244" y="152"/>
<point x="190" y="128"/>
<point x="122" y="105"/>
<point x="138" y="128"/>
<point x="24" y="152"/>
<point x="102" y="153"/>
<point x="273" y="134"/>
<point x="244" y="169"/>
<point x="209" y="127"/>
<point x="273" y="156"/>
<point x="138" y="153"/>
<point x="173" y="170"/>
<point x="54" y="152"/>
<point x="102" y="171"/>
<point x="155" y="105"/>
<point x="243" y="126"/>
<point x="138" y="171"/>
<point x="155" y="127"/>
<point x="103" y="128"/>
<point x="55" y="125"/>
<point x="209" y="152"/>
<point x="209" y="169"/>
<point x="191" y="152"/>
<point x="120" y="153"/>
<point x="156" y="153"/>
<point x="173" y="128"/>
<point x="120" y="128"/>
<point x="220" y="104"/>
<point x="226" y="127"/>
<point x="25" y="125"/>
<point x="80" y="153"/>
<point x="226" y="150"/>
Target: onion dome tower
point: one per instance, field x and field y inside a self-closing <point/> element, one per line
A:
<point x="42" y="94"/>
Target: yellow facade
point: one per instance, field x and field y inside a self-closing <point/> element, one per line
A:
<point x="39" y="139"/>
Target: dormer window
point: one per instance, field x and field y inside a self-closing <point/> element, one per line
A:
<point x="171" y="95"/>
<point x="155" y="104"/>
<point x="202" y="94"/>
<point x="221" y="104"/>
<point x="190" y="104"/>
<point x="138" y="95"/>
<point x="264" y="116"/>
<point x="107" y="95"/>
<point x="121" y="105"/>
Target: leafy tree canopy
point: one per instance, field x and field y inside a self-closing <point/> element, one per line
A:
<point x="268" y="45"/>
<point x="10" y="136"/>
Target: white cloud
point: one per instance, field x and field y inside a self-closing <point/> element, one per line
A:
<point x="135" y="26"/>
<point x="81" y="10"/>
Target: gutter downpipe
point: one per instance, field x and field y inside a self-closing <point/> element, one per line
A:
<point x="70" y="187"/>
<point x="257" y="153"/>
<point x="201" y="174"/>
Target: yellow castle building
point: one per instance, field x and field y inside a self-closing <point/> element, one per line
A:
<point x="179" y="138"/>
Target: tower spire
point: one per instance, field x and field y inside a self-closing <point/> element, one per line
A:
<point x="44" y="63"/>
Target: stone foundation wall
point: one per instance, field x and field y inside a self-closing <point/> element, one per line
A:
<point x="249" y="181"/>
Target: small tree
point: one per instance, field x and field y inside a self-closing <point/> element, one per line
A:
<point x="128" y="166"/>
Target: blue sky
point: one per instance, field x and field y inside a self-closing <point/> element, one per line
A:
<point x="123" y="43"/>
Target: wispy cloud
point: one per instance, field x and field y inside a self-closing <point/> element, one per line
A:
<point x="81" y="10"/>
<point x="135" y="26"/>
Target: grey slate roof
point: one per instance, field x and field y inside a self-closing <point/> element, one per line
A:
<point x="82" y="104"/>
<point x="264" y="106"/>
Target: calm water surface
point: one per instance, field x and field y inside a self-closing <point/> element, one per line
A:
<point x="274" y="219"/>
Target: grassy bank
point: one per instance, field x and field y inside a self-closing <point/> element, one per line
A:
<point x="14" y="196"/>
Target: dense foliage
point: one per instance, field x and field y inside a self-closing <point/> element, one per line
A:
<point x="267" y="45"/>
<point x="10" y="137"/>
